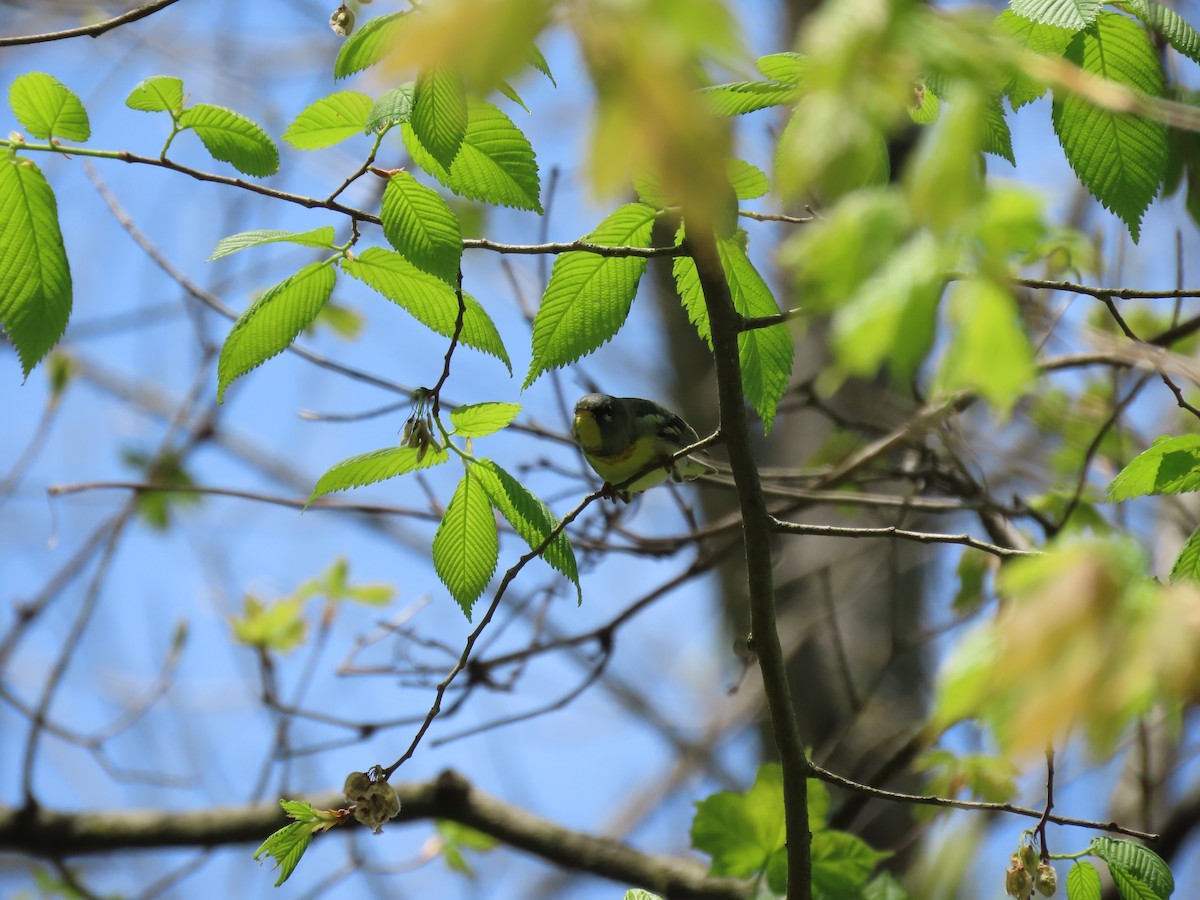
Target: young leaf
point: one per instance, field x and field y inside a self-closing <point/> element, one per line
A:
<point x="422" y="228"/>
<point x="1187" y="564"/>
<point x="482" y="419"/>
<point x="439" y="114"/>
<point x="392" y="108"/>
<point x="273" y="321"/>
<point x="378" y="465"/>
<point x="1135" y="868"/>
<point x="367" y="46"/>
<point x="1171" y="465"/>
<point x="158" y="93"/>
<point x="428" y="299"/>
<point x="588" y="297"/>
<point x="317" y="237"/>
<point x="741" y="97"/>
<point x="990" y="352"/>
<point x="748" y="181"/>
<point x="232" y="138"/>
<point x="788" y="67"/>
<point x="278" y="626"/>
<point x="765" y="353"/>
<point x="495" y="162"/>
<point x="1083" y="882"/>
<point x="1049" y="40"/>
<point x="286" y="846"/>
<point x="330" y="120"/>
<point x="841" y="863"/>
<point x="35" y="280"/>
<point x="1165" y="21"/>
<point x="742" y="831"/>
<point x="1073" y="14"/>
<point x="46" y="108"/>
<point x="466" y="546"/>
<point x="1120" y="158"/>
<point x="529" y="517"/>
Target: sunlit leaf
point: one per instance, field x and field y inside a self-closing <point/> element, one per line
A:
<point x="422" y="228"/>
<point x="466" y="546"/>
<point x="374" y="40"/>
<point x="482" y="419"/>
<point x="316" y="237"/>
<point x="378" y="465"/>
<point x="232" y="138"/>
<point x="330" y="120"/>
<point x="158" y="93"/>
<point x="47" y="108"/>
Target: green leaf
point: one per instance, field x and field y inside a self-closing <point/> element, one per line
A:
<point x="232" y="138"/>
<point x="748" y="181"/>
<point x="741" y="97"/>
<point x="997" y="136"/>
<point x="1140" y="864"/>
<point x="990" y="351"/>
<point x="330" y="120"/>
<point x="1165" y="21"/>
<point x="1187" y="564"/>
<point x="273" y="321"/>
<point x="47" y="108"/>
<point x="378" y="465"/>
<point x="1171" y="465"/>
<point x="278" y="626"/>
<point x="588" y="296"/>
<point x="1083" y="882"/>
<point x="428" y="299"/>
<point x="482" y="419"/>
<point x="316" y="237"/>
<point x="841" y="864"/>
<point x="158" y="93"/>
<point x="765" y="353"/>
<point x="884" y="886"/>
<point x="495" y="162"/>
<point x="286" y="846"/>
<point x="367" y="46"/>
<point x="1120" y="158"/>
<point x="1048" y="40"/>
<point x="926" y="105"/>
<point x="1072" y="14"/>
<point x="439" y="114"/>
<point x="466" y="547"/>
<point x="639" y="894"/>
<point x="392" y="108"/>
<point x="422" y="228"/>
<point x="35" y="279"/>
<point x="788" y="67"/>
<point x="529" y="517"/>
<point x="742" y="831"/>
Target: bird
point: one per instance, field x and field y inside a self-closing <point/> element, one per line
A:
<point x="622" y="436"/>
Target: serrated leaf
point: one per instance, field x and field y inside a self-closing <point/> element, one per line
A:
<point x="428" y="299"/>
<point x="742" y="831"/>
<point x="1083" y="882"/>
<point x="1171" y="465"/>
<point x="1121" y="159"/>
<point x="841" y="863"/>
<point x="1048" y="40"/>
<point x="990" y="351"/>
<point x="1187" y="563"/>
<point x="1072" y="14"/>
<point x="765" y="354"/>
<point x="741" y="97"/>
<point x="884" y="886"/>
<point x="35" y="279"/>
<point x="997" y="136"/>
<point x="787" y="67"/>
<point x="511" y="93"/>
<point x="158" y="93"/>
<point x="482" y="419"/>
<point x="378" y="465"/>
<point x="439" y="114"/>
<point x="273" y="321"/>
<point x="392" y="107"/>
<point x="47" y="108"/>
<point x="316" y="237"/>
<point x="1140" y="865"/>
<point x="232" y="138"/>
<point x="529" y="517"/>
<point x="466" y="547"/>
<point x="286" y="846"/>
<point x="588" y="296"/>
<point x="330" y="120"/>
<point x="926" y="106"/>
<point x="1168" y="23"/>
<point x="369" y="45"/>
<point x="538" y="61"/>
<point x="495" y="163"/>
<point x="748" y="181"/>
<point x="422" y="228"/>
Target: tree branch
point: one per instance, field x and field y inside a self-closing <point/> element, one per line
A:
<point x="51" y="833"/>
<point x="94" y="30"/>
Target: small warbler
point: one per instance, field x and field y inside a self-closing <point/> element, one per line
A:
<point x="621" y="436"/>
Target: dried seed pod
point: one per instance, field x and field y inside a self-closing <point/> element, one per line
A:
<point x="342" y="21"/>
